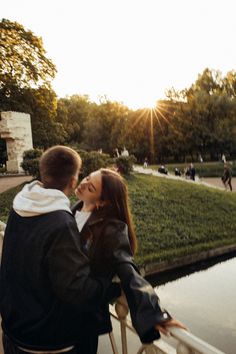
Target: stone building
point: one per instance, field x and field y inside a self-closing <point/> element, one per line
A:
<point x="15" y="129"/>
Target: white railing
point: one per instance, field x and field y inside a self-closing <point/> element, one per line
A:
<point x="185" y="342"/>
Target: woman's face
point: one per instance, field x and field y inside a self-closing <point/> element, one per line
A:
<point x="90" y="188"/>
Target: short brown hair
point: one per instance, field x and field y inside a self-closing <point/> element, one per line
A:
<point x="57" y="165"/>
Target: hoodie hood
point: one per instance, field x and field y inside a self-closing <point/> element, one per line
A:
<point x="34" y="200"/>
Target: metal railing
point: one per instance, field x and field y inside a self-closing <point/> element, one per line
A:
<point x="185" y="342"/>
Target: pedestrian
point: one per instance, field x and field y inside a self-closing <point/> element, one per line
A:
<point x="145" y="163"/>
<point x="192" y="172"/>
<point x="227" y="177"/>
<point x="46" y="292"/>
<point x="108" y="239"/>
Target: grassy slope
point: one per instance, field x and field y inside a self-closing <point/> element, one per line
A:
<point x="173" y="218"/>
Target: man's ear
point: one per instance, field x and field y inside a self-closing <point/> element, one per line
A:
<point x="73" y="182"/>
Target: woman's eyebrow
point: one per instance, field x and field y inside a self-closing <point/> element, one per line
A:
<point x="92" y="186"/>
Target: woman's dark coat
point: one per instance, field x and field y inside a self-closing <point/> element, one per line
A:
<point x="105" y="240"/>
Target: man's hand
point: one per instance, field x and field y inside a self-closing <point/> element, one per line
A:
<point x="164" y="328"/>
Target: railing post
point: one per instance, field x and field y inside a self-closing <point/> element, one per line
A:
<point x="183" y="349"/>
<point x="122" y="311"/>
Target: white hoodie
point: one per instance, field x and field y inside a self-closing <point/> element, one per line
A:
<point x="34" y="200"/>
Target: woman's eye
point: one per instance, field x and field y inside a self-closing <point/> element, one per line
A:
<point x="90" y="190"/>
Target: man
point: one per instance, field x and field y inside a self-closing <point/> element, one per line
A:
<point x="46" y="290"/>
<point x="227" y="177"/>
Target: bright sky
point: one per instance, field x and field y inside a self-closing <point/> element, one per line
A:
<point x="130" y="50"/>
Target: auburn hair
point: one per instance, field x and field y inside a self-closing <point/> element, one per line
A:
<point x="115" y="191"/>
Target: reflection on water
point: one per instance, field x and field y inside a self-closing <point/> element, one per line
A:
<point x="204" y="298"/>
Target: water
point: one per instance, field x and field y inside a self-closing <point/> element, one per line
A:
<point x="205" y="301"/>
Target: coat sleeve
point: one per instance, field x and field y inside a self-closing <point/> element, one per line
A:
<point x="69" y="272"/>
<point x="143" y="302"/>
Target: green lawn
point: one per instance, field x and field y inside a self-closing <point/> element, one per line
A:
<point x="172" y="218"/>
<point x="175" y="218"/>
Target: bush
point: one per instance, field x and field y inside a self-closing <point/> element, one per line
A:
<point x="125" y="164"/>
<point x="92" y="161"/>
<point x="30" y="163"/>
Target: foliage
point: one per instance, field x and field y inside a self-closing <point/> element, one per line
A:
<point x="125" y="164"/>
<point x="23" y="60"/>
<point x="92" y="161"/>
<point x="30" y="163"/>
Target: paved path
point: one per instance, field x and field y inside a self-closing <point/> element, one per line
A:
<point x="209" y="182"/>
<point x="7" y="182"/>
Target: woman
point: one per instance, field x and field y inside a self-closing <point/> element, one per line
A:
<point x="108" y="238"/>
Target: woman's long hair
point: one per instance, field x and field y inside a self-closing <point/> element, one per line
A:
<point x="114" y="190"/>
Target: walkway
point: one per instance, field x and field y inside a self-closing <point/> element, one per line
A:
<point x="7" y="182"/>
<point x="209" y="182"/>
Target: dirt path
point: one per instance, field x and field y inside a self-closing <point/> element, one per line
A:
<point x="7" y="182"/>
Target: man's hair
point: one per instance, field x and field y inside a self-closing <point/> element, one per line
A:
<point x="57" y="165"/>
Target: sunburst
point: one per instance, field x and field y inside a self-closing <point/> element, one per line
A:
<point x="159" y="113"/>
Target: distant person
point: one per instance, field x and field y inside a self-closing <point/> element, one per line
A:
<point x="145" y="163"/>
<point x="117" y="154"/>
<point x="177" y="172"/>
<point x="192" y="172"/>
<point x="187" y="172"/>
<point x="223" y="158"/>
<point x="200" y="158"/>
<point x="125" y="152"/>
<point x="163" y="169"/>
<point x="227" y="177"/>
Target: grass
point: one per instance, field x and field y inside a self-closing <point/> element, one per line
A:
<point x="172" y="218"/>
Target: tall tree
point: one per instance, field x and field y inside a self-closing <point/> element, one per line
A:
<point x="23" y="61"/>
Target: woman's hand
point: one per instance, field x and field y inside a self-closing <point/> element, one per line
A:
<point x="164" y="328"/>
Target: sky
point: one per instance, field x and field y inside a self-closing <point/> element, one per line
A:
<point x="131" y="51"/>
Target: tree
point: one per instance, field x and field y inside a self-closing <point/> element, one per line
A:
<point x="23" y="61"/>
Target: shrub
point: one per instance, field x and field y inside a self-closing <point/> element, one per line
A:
<point x="125" y="164"/>
<point x="30" y="163"/>
<point x="92" y="161"/>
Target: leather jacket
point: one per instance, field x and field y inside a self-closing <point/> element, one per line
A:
<point x="104" y="239"/>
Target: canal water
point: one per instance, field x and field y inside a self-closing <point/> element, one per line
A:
<point x="203" y="297"/>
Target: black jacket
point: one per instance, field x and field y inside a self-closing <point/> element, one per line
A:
<point x="46" y="294"/>
<point x="105" y="240"/>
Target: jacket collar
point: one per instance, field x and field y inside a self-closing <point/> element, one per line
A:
<point x="97" y="215"/>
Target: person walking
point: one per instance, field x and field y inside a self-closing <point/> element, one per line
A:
<point x="227" y="177"/>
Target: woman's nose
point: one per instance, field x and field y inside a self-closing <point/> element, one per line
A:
<point x="83" y="184"/>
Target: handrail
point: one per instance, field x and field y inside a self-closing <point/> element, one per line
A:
<point x="187" y="343"/>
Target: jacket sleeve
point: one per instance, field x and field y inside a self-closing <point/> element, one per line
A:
<point x="143" y="302"/>
<point x="69" y="272"/>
